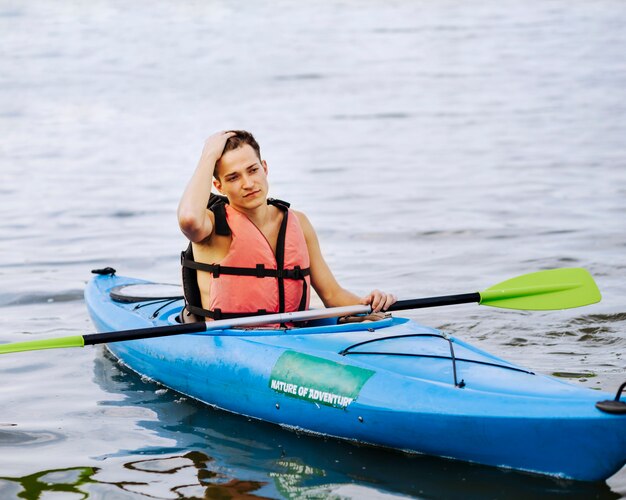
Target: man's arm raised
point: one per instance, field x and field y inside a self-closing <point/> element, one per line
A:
<point x="193" y="217"/>
<point x="324" y="282"/>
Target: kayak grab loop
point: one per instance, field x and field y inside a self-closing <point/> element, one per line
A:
<point x="614" y="406"/>
<point x="452" y="357"/>
<point x="106" y="271"/>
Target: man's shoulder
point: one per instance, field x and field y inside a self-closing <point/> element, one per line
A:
<point x="305" y="223"/>
<point x="299" y="214"/>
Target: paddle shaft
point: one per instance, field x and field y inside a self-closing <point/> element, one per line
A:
<point x="443" y="300"/>
<point x="223" y="324"/>
<point x="160" y="331"/>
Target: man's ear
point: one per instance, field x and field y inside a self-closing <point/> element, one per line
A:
<point x="264" y="165"/>
<point x="218" y="185"/>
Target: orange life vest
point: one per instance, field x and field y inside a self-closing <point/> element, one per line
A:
<point x="251" y="279"/>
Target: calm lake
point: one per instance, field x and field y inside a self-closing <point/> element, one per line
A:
<point x="437" y="147"/>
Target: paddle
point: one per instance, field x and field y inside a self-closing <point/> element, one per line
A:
<point x="543" y="290"/>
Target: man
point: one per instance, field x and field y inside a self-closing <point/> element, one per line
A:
<point x="250" y="254"/>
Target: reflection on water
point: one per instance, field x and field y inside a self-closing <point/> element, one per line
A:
<point x="191" y="475"/>
<point x="34" y="486"/>
<point x="187" y="476"/>
<point x="206" y="483"/>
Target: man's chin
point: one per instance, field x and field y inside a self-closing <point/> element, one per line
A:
<point x="252" y="202"/>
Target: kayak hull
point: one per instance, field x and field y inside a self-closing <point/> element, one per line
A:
<point x="389" y="383"/>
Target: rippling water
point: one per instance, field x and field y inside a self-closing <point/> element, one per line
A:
<point x="438" y="147"/>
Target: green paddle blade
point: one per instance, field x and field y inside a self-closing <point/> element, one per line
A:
<point x="35" y="345"/>
<point x="544" y="291"/>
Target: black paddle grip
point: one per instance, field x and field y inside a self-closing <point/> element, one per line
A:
<point x="143" y="333"/>
<point x="445" y="300"/>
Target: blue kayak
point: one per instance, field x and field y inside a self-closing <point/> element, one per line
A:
<point x="390" y="383"/>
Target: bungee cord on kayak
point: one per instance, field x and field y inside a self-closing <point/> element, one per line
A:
<point x="351" y="350"/>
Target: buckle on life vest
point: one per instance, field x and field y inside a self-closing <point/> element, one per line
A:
<point x="293" y="274"/>
<point x="216" y="270"/>
<point x="260" y="270"/>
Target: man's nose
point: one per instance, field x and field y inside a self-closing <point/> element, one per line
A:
<point x="247" y="181"/>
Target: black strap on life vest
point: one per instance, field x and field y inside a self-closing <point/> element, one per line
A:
<point x="190" y="267"/>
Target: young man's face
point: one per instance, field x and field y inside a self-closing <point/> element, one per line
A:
<point x="242" y="177"/>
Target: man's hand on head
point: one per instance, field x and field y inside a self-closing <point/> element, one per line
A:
<point x="214" y="145"/>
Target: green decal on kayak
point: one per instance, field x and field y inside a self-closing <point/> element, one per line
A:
<point x="317" y="380"/>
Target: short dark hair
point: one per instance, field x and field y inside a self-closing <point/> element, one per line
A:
<point x="240" y="139"/>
